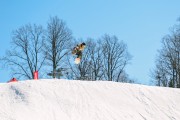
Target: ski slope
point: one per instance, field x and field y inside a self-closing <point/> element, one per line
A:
<point x="87" y="100"/>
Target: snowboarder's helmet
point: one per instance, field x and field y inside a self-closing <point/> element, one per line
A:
<point x="83" y="43"/>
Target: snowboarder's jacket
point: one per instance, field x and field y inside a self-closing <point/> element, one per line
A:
<point x="78" y="50"/>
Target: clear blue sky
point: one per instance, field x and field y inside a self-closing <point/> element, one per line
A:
<point x="141" y="24"/>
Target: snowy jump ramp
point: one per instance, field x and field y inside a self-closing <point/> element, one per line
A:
<point x="87" y="100"/>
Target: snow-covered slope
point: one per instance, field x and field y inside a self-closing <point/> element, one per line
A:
<point x="85" y="100"/>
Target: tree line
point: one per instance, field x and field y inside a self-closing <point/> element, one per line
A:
<point x="49" y="52"/>
<point x="167" y="70"/>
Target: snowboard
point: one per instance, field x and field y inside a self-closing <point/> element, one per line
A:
<point x="77" y="60"/>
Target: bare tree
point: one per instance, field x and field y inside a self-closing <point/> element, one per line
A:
<point x="104" y="59"/>
<point x="96" y="61"/>
<point x="58" y="41"/>
<point x="115" y="57"/>
<point x="91" y="64"/>
<point x="81" y="71"/>
<point x="25" y="57"/>
<point x="167" y="71"/>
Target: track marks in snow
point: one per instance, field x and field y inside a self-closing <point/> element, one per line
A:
<point x="87" y="100"/>
<point x="18" y="94"/>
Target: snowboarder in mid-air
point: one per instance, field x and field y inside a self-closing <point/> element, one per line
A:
<point x="78" y="51"/>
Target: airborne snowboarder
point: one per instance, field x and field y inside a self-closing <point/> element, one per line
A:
<point x="78" y="51"/>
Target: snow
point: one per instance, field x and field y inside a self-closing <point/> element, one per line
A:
<point x="87" y="100"/>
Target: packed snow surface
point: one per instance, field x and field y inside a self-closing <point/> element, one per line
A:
<point x="87" y="100"/>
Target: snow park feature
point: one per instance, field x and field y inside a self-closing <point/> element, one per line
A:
<point x="58" y="99"/>
<point x="13" y="80"/>
<point x="36" y="75"/>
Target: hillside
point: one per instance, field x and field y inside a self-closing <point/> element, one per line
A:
<point x="87" y="100"/>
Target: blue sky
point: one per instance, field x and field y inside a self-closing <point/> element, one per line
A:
<point x="141" y="24"/>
